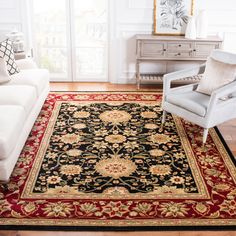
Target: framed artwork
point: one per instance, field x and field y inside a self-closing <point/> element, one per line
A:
<point x="171" y="16"/>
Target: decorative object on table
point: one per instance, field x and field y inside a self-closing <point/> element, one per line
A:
<point x="17" y="39"/>
<point x="191" y="32"/>
<point x="171" y="16"/>
<point x="7" y="53"/>
<point x="97" y="161"/>
<point x="202" y="24"/>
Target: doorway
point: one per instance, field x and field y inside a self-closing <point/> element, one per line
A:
<point x="70" y="39"/>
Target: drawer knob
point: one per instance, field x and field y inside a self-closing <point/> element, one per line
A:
<point x="194" y="50"/>
<point x="180" y="45"/>
<point x="178" y="54"/>
<point x="164" y="49"/>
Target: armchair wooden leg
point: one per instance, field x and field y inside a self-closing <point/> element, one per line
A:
<point x="205" y="133"/>
<point x="163" y="117"/>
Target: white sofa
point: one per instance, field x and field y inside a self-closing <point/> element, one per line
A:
<point x="21" y="100"/>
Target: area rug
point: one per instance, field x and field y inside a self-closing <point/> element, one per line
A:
<point x="102" y="161"/>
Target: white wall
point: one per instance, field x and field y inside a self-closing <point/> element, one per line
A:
<point x="128" y="18"/>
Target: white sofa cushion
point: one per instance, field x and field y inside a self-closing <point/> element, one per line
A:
<point x="26" y="63"/>
<point x="38" y="78"/>
<point x="26" y="96"/>
<point x="12" y="120"/>
<point x="4" y="76"/>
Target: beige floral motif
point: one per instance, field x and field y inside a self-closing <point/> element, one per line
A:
<point x="81" y="114"/>
<point x="4" y="206"/>
<point x="202" y="208"/>
<point x="156" y="152"/>
<point x="173" y="209"/>
<point x="115" y="209"/>
<point x="29" y="207"/>
<point x="131" y="145"/>
<point x="88" y="208"/>
<point x="79" y="126"/>
<point x="74" y="152"/>
<point x="160" y="169"/>
<point x="210" y="160"/>
<point x="143" y="208"/>
<point x="179" y="156"/>
<point x="54" y="179"/>
<point x="101" y="132"/>
<point x="118" y="191"/>
<point x="148" y="97"/>
<point x="160" y="138"/>
<point x="58" y="209"/>
<point x="177" y="180"/>
<point x="82" y="97"/>
<point x="52" y="155"/>
<point x="229" y="206"/>
<point x="213" y="172"/>
<point x="70" y="170"/>
<point x="115" y="138"/>
<point x="115" y="116"/>
<point x="115" y="167"/>
<point x="151" y="126"/>
<point x="149" y="114"/>
<point x="221" y="187"/>
<point x="70" y="138"/>
<point x="100" y="145"/>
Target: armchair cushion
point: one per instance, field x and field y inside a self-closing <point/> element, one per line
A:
<point x="216" y="75"/>
<point x="192" y="101"/>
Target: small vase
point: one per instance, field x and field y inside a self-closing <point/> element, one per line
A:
<point x="202" y="24"/>
<point x="190" y="32"/>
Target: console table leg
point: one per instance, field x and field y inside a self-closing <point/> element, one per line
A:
<point x="137" y="75"/>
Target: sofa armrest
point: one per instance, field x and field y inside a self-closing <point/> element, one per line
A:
<point x="26" y="63"/>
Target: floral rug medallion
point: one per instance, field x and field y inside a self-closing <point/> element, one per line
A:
<point x="103" y="159"/>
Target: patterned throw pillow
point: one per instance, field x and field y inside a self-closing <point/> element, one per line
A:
<point x="7" y="53"/>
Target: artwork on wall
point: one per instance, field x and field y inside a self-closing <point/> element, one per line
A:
<point x="171" y="16"/>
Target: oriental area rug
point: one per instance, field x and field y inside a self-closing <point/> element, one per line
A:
<point x="102" y="161"/>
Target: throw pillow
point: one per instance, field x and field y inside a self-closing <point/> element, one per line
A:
<point x="216" y="75"/>
<point x="7" y="53"/>
<point x="4" y="77"/>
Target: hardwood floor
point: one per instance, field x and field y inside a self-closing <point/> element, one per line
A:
<point x="228" y="131"/>
<point x="148" y="233"/>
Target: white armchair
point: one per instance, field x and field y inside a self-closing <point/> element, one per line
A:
<point x="204" y="110"/>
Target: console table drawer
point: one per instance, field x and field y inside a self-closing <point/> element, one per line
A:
<point x="179" y="55"/>
<point x="204" y="49"/>
<point x="152" y="49"/>
<point x="179" y="46"/>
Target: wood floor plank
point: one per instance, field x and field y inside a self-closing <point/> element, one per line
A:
<point x="208" y="233"/>
<point x="148" y="233"/>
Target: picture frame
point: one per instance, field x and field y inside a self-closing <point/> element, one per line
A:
<point x="171" y="16"/>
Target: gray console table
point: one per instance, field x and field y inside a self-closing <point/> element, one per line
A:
<point x="151" y="48"/>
